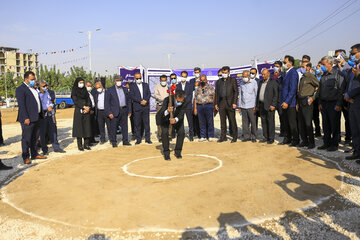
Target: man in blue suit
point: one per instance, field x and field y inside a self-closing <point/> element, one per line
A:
<point x="118" y="109"/>
<point x="140" y="95"/>
<point x="29" y="114"/>
<point x="188" y="88"/>
<point x="288" y="101"/>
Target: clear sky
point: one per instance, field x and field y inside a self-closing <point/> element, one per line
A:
<point x="200" y="33"/>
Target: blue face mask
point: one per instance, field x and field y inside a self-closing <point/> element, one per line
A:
<point x="44" y="88"/>
<point x="353" y="58"/>
<point x="276" y="69"/>
<point x="317" y="71"/>
<point x="173" y="81"/>
<point x="323" y="68"/>
<point x="178" y="104"/>
<point x="351" y="63"/>
<point x="302" y="70"/>
<point x="32" y="83"/>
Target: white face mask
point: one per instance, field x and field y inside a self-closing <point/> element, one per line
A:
<point x="225" y="75"/>
<point x="138" y="81"/>
<point x="197" y="75"/>
<point x="285" y="67"/>
<point x="88" y="89"/>
<point x="252" y="76"/>
<point x="245" y="80"/>
<point x="81" y="85"/>
<point x="163" y="83"/>
<point x="183" y="79"/>
<point x="118" y="83"/>
<point x="219" y="77"/>
<point x="99" y="90"/>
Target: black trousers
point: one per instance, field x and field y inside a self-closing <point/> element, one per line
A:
<point x="281" y="118"/>
<point x="122" y="119"/>
<point x="48" y="128"/>
<point x="267" y="122"/>
<point x="330" y="120"/>
<point x="1" y="135"/>
<point x="291" y="125"/>
<point x="347" y="124"/>
<point x="102" y="119"/>
<point x="305" y="121"/>
<point x="180" y="131"/>
<point x="226" y="112"/>
<point x="190" y="120"/>
<point x="30" y="135"/>
<point x="354" y="119"/>
<point x="196" y="126"/>
<point x="142" y="119"/>
<point x="316" y="116"/>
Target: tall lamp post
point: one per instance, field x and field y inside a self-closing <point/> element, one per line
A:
<point x="169" y="59"/>
<point x="89" y="37"/>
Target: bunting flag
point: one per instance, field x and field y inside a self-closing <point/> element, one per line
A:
<point x="61" y="51"/>
<point x="66" y="62"/>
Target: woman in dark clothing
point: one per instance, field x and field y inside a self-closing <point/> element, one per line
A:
<point x="82" y="121"/>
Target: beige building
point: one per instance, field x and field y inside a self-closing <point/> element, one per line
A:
<point x="16" y="62"/>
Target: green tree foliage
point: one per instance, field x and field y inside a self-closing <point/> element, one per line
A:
<point x="12" y="83"/>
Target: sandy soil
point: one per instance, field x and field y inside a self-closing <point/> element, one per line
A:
<point x="217" y="191"/>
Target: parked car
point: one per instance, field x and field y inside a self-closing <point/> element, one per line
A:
<point x="63" y="100"/>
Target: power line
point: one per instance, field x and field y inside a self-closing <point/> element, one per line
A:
<point x="327" y="18"/>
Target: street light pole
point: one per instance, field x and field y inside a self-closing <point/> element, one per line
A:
<point x="89" y="38"/>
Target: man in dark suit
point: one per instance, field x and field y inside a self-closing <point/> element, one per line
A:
<point x="226" y="97"/>
<point x="188" y="88"/>
<point x="29" y="114"/>
<point x="100" y="114"/>
<point x="1" y="135"/>
<point x="288" y="101"/>
<point x="118" y="109"/>
<point x="140" y="95"/>
<point x="195" y="82"/>
<point x="163" y="118"/>
<point x="266" y="101"/>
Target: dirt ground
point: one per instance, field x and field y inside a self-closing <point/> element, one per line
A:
<point x="217" y="191"/>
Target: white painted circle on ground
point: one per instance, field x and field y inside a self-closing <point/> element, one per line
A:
<point x="126" y="171"/>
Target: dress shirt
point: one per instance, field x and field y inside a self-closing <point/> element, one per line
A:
<point x="121" y="96"/>
<point x="45" y="100"/>
<point x="140" y="86"/>
<point x="248" y="92"/>
<point x="160" y="93"/>
<point x="101" y="100"/>
<point x="262" y="91"/>
<point x="36" y="96"/>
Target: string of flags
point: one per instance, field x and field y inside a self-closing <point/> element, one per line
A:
<point x="66" y="62"/>
<point x="14" y="66"/>
<point x="61" y="51"/>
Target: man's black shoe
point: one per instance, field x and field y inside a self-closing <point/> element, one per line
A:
<point x="167" y="158"/>
<point x="178" y="155"/>
<point x="149" y="142"/>
<point x="285" y="142"/>
<point x="138" y="142"/>
<point x="4" y="167"/>
<point x="234" y="140"/>
<point x="253" y="140"/>
<point x="323" y="147"/>
<point x="318" y="134"/>
<point x="303" y="144"/>
<point x="270" y="142"/>
<point x="311" y="146"/>
<point x="358" y="162"/>
<point x="264" y="140"/>
<point x="46" y="153"/>
<point x="126" y="144"/>
<point x="245" y="140"/>
<point x="60" y="150"/>
<point x="332" y="149"/>
<point x="114" y="145"/>
<point x="2" y="144"/>
<point x="102" y="142"/>
<point x="87" y="147"/>
<point x="222" y="140"/>
<point x="294" y="144"/>
<point x="191" y="139"/>
<point x="352" y="157"/>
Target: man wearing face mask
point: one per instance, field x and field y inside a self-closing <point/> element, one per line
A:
<point x="226" y="97"/>
<point x="253" y="74"/>
<point x="48" y="123"/>
<point x="140" y="95"/>
<point x="352" y="97"/>
<point x="266" y="101"/>
<point x="332" y="87"/>
<point x="316" y="112"/>
<point x="101" y="117"/>
<point x="164" y="119"/>
<point x="247" y="106"/>
<point x="160" y="93"/>
<point x="29" y="114"/>
<point x="278" y="75"/>
<point x="288" y="101"/>
<point x="189" y="88"/>
<point x="89" y="89"/>
<point x="195" y="82"/>
<point x="307" y="91"/>
<point x="118" y="109"/>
